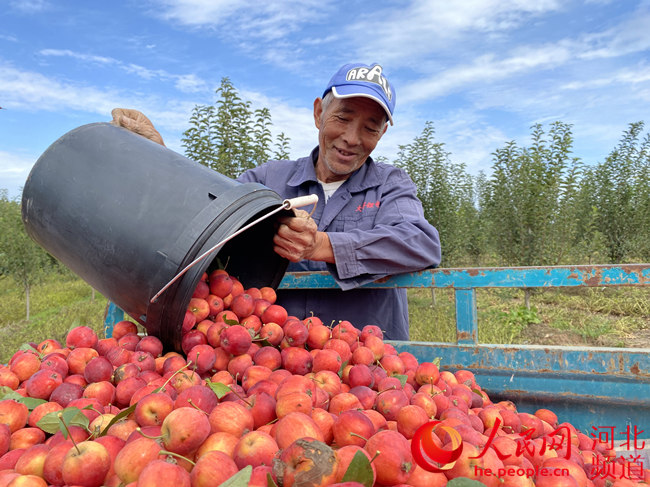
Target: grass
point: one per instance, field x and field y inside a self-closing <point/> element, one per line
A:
<point x="590" y="316"/>
<point x="59" y="303"/>
<point x="617" y="317"/>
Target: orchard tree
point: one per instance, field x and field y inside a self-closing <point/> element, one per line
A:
<point x="446" y="192"/>
<point x="20" y="257"/>
<point x="621" y="197"/>
<point x="641" y="238"/>
<point x="281" y="151"/>
<point x="589" y="245"/>
<point x="530" y="198"/>
<point x="230" y="137"/>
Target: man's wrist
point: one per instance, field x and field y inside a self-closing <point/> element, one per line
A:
<point x="323" y="251"/>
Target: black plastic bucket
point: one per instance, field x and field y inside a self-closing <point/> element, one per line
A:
<point x="127" y="215"/>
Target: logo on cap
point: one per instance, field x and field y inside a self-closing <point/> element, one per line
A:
<point x="372" y="75"/>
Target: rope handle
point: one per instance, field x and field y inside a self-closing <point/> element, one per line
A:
<point x="288" y="204"/>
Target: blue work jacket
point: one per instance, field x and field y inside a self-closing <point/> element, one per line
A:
<point x="377" y="228"/>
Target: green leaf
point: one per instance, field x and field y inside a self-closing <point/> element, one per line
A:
<point x="359" y="470"/>
<point x="263" y="342"/>
<point x="269" y="481"/>
<point x="122" y="414"/>
<point x="9" y="393"/>
<point x="73" y="417"/>
<point x="231" y="322"/>
<point x="402" y="378"/>
<point x="28" y="347"/>
<point x="218" y="388"/>
<point x="341" y="369"/>
<point x="51" y="422"/>
<point x="464" y="482"/>
<point x="30" y="402"/>
<point x="240" y="479"/>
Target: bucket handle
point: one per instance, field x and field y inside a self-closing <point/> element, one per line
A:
<point x="288" y="204"/>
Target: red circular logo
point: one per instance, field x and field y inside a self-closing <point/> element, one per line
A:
<point x="428" y="454"/>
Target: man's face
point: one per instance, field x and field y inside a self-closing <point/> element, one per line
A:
<point x="348" y="131"/>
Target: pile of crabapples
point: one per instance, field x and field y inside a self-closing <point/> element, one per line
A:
<point x="260" y="398"/>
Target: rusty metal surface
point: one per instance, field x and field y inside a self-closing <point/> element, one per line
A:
<point x="587" y="387"/>
<point x="481" y="277"/>
<point x="631" y="363"/>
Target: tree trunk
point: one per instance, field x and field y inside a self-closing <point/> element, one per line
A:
<point x="27" y="302"/>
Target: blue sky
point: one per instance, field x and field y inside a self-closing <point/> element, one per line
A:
<point x="483" y="71"/>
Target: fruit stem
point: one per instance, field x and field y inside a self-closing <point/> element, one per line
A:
<point x="195" y="362"/>
<point x="375" y="456"/>
<point x="191" y="403"/>
<point x="162" y="387"/>
<point x="171" y="453"/>
<point x="60" y="416"/>
<point x="358" y="436"/>
<point x="139" y="430"/>
<point x="240" y="397"/>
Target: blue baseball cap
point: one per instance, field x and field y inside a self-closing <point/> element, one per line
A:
<point x="358" y="79"/>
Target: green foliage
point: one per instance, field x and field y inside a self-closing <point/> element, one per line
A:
<point x="20" y="257"/>
<point x="620" y="197"/>
<point x="62" y="420"/>
<point x="562" y="316"/>
<point x="515" y="320"/>
<point x="464" y="482"/>
<point x="359" y="470"/>
<point x="124" y="413"/>
<point x="59" y="302"/>
<point x="230" y="137"/>
<point x="446" y="192"/>
<point x="240" y="479"/>
<point x="281" y="151"/>
<point x="30" y="402"/>
<point x="537" y="205"/>
<point x="530" y="197"/>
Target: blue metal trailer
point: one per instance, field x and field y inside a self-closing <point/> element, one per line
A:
<point x="601" y="391"/>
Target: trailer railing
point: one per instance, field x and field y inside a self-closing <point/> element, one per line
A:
<point x="590" y="387"/>
<point x="587" y="386"/>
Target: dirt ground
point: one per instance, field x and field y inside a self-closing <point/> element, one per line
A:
<point x="542" y="334"/>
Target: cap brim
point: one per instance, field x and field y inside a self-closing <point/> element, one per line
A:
<point x="351" y="91"/>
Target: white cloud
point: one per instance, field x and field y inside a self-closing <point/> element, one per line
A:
<point x="190" y="83"/>
<point x="187" y="83"/>
<point x="88" y="58"/>
<point x="441" y="29"/>
<point x="630" y="36"/>
<point x="245" y="18"/>
<point x="620" y="77"/>
<point x="14" y="169"/>
<point x="483" y="70"/>
<point x="14" y="164"/>
<point x="33" y="92"/>
<point x="30" y="6"/>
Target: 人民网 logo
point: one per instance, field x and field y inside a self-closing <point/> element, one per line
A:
<point x="428" y="454"/>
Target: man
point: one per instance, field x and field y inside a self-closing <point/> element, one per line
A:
<point x="368" y="223"/>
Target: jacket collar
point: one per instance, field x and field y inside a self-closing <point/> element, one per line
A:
<point x="367" y="176"/>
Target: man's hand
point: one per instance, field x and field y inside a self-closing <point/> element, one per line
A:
<point x="137" y="122"/>
<point x="298" y="238"/>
